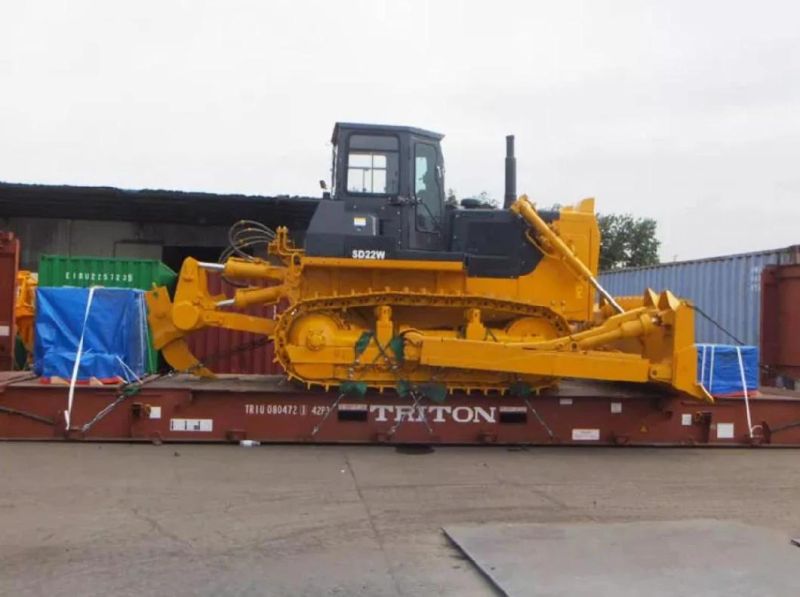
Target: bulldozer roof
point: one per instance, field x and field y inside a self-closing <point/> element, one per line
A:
<point x="378" y="128"/>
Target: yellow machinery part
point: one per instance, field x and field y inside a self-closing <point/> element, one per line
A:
<point x="381" y="323"/>
<point x="552" y="284"/>
<point x="167" y="338"/>
<point x="667" y="352"/>
<point x="194" y="308"/>
<point x="25" y="307"/>
<point x="322" y="347"/>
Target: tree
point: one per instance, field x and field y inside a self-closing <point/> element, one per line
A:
<point x="626" y="241"/>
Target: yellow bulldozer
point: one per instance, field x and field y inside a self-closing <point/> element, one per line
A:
<point x="397" y="288"/>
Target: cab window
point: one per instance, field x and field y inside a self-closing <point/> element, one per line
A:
<point x="427" y="187"/>
<point x="373" y="164"/>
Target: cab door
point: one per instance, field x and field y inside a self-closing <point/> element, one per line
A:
<point x="428" y="230"/>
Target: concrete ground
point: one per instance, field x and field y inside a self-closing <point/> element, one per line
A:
<point x="104" y="519"/>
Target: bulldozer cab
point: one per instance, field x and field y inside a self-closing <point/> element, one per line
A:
<point x="388" y="194"/>
<point x="390" y="164"/>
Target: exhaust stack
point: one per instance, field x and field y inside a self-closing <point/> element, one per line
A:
<point x="511" y="173"/>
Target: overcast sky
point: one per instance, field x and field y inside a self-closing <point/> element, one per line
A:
<point x="687" y="112"/>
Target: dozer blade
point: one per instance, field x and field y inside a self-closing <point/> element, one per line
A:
<point x="169" y="339"/>
<point x="684" y="375"/>
<point x="651" y="344"/>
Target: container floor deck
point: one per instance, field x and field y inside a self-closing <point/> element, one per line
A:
<point x="271" y="409"/>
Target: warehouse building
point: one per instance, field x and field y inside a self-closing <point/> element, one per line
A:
<point x="168" y="226"/>
<point x="145" y="224"/>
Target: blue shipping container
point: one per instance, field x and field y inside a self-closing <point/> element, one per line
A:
<point x="727" y="288"/>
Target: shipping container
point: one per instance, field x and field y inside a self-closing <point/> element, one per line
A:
<point x="780" y="324"/>
<point x="9" y="265"/>
<point x="83" y="272"/>
<point x="229" y="351"/>
<point x="727" y="289"/>
<point x="59" y="270"/>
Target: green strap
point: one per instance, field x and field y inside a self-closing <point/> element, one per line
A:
<point x="397" y="346"/>
<point x="353" y="388"/>
<point x="434" y="391"/>
<point x="363" y="342"/>
<point x="520" y="389"/>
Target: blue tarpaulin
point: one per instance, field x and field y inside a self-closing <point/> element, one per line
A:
<point x="114" y="333"/>
<point x="720" y="371"/>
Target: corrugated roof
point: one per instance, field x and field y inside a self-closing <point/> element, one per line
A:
<point x="146" y="205"/>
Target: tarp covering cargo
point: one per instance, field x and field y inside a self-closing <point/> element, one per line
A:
<point x="721" y="367"/>
<point x="62" y="270"/>
<point x="112" y="323"/>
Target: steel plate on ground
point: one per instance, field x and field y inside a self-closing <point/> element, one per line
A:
<point x="692" y="557"/>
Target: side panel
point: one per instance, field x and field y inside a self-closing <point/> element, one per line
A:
<point x="493" y="242"/>
<point x="9" y="265"/>
<point x="498" y="260"/>
<point x="244" y="409"/>
<point x="552" y="283"/>
<point x="62" y="270"/>
<point x="789" y="318"/>
<point x="780" y="323"/>
<point x="769" y="325"/>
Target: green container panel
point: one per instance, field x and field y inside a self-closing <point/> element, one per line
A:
<point x="57" y="270"/>
<point x="83" y="272"/>
<point x="152" y="354"/>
